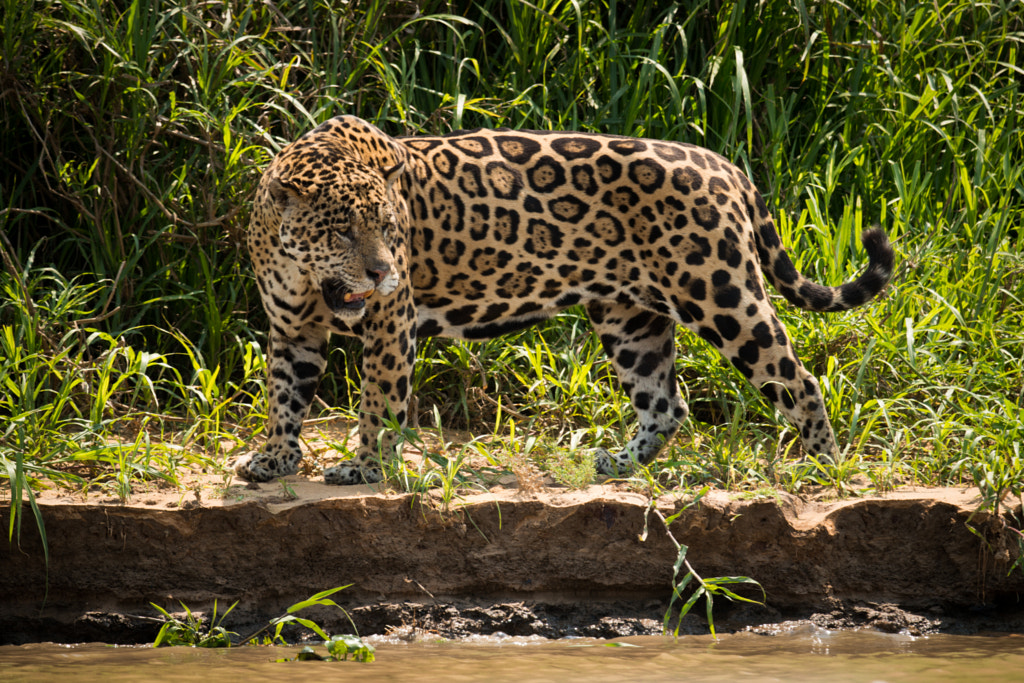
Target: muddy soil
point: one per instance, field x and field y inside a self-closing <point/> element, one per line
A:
<point x="548" y="562"/>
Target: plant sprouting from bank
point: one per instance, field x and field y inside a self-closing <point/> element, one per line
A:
<point x="702" y="588"/>
<point x="194" y="631"/>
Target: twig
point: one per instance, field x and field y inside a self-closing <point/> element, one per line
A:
<point x="97" y="318"/>
<point x="480" y="393"/>
<point x="168" y="214"/>
<point x="194" y="239"/>
<point x="163" y="122"/>
<point x="104" y="312"/>
<point x="677" y="544"/>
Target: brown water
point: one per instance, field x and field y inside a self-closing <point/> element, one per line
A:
<point x="806" y="654"/>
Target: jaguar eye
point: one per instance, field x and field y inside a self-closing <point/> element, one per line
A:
<point x="339" y="238"/>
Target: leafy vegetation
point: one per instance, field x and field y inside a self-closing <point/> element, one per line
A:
<point x="339" y="649"/>
<point x="135" y="131"/>
<point x="194" y="631"/>
<point x="701" y="587"/>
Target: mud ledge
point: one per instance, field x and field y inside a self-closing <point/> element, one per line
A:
<point x="551" y="563"/>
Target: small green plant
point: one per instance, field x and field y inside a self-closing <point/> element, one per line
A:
<point x="573" y="466"/>
<point x="836" y="475"/>
<point x="997" y="478"/>
<point x="287" y="490"/>
<point x="704" y="588"/>
<point x="192" y="631"/>
<point x="339" y="649"/>
<point x="441" y="469"/>
<point x="321" y="599"/>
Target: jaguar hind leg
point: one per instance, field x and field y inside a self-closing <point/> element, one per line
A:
<point x="641" y="347"/>
<point x="762" y="351"/>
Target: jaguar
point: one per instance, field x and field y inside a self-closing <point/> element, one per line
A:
<point x="475" y="234"/>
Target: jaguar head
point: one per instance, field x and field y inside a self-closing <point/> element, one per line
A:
<point x="339" y="229"/>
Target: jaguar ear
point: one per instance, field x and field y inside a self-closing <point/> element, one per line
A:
<point x="393" y="174"/>
<point x="284" y="191"/>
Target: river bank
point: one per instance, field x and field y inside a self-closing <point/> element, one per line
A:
<point x="549" y="562"/>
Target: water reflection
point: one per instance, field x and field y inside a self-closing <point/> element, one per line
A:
<point x="804" y="653"/>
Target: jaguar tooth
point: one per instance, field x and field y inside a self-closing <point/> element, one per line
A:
<point x="353" y="296"/>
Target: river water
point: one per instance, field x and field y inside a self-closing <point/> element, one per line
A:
<point x="804" y="654"/>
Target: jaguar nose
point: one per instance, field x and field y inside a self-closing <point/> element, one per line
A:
<point x="377" y="273"/>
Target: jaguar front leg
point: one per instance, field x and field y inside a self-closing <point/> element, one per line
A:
<point x="294" y="367"/>
<point x="389" y="352"/>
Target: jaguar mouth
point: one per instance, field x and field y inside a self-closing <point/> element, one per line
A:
<point x="337" y="298"/>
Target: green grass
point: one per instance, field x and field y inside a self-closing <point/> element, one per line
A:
<point x="134" y="134"/>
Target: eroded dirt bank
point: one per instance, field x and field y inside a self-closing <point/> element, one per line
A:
<point x="552" y="563"/>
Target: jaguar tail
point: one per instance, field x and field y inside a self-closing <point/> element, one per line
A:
<point x="779" y="270"/>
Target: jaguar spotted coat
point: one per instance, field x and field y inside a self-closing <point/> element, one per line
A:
<point x="476" y="234"/>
